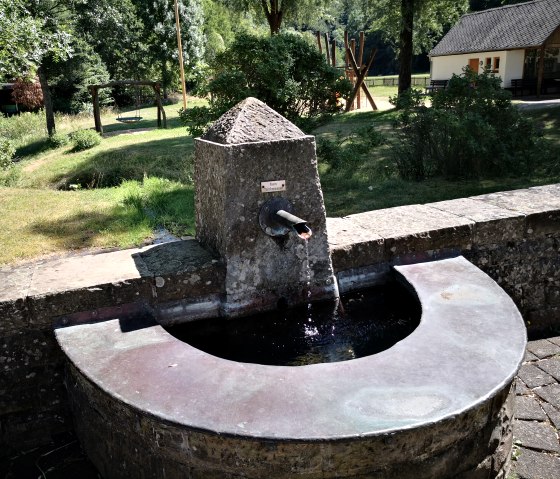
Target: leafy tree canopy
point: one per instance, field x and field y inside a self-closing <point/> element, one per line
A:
<point x="277" y="11"/>
<point x="27" y="35"/>
<point x="431" y="19"/>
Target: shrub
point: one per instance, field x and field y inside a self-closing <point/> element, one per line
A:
<point x="58" y="139"/>
<point x="345" y="150"/>
<point x="85" y="139"/>
<point x="471" y="130"/>
<point x="7" y="153"/>
<point x="196" y="119"/>
<point x="284" y="71"/>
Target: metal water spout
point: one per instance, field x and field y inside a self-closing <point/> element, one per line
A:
<point x="298" y="225"/>
<point x="277" y="219"/>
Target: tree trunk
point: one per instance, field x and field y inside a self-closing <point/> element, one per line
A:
<point x="273" y="15"/>
<point x="165" y="79"/>
<point x="405" y="45"/>
<point x="47" y="99"/>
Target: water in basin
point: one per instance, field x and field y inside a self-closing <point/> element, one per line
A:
<point x="359" y="324"/>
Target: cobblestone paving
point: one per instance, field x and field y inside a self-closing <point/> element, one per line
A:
<point x="537" y="410"/>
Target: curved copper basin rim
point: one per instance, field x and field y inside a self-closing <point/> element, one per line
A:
<point x="468" y="347"/>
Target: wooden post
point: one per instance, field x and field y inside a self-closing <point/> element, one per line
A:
<point x="540" y="73"/>
<point x="319" y="44"/>
<point x="361" y="74"/>
<point x="161" y="111"/>
<point x="333" y="53"/>
<point x="327" y="48"/>
<point x="360" y="65"/>
<point x="96" y="112"/>
<point x="346" y="59"/>
<point x="353" y="75"/>
<point x="181" y="66"/>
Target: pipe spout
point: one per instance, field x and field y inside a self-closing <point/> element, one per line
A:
<point x="277" y="220"/>
<point x="297" y="224"/>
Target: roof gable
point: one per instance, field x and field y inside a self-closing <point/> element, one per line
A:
<point x="523" y="25"/>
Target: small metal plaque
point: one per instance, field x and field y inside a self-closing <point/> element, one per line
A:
<point x="272" y="186"/>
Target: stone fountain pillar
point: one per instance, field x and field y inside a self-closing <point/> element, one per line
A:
<point x="249" y="156"/>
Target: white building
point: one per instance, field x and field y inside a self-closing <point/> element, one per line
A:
<point x="516" y="42"/>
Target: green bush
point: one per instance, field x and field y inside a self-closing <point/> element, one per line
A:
<point x="58" y="139"/>
<point x="471" y="130"/>
<point x="346" y="150"/>
<point x="85" y="139"/>
<point x="196" y="119"/>
<point x="284" y="71"/>
<point x="7" y="153"/>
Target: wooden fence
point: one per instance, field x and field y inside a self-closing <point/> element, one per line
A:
<point x="416" y="81"/>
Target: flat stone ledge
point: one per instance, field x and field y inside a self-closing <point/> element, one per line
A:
<point x="33" y="295"/>
<point x="397" y="235"/>
<point x="454" y="225"/>
<point x="492" y="224"/>
<point x="541" y="207"/>
<point x="408" y="229"/>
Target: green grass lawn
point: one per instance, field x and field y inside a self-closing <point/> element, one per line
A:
<point x="117" y="193"/>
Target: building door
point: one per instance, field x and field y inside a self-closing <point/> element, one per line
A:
<point x="473" y="64"/>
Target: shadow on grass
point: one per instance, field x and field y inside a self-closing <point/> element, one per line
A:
<point x="30" y="149"/>
<point x="125" y="224"/>
<point x="169" y="158"/>
<point x="116" y="227"/>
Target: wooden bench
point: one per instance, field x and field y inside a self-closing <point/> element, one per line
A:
<point x="436" y="85"/>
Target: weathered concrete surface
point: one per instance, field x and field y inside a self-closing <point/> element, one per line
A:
<point x="350" y="243"/>
<point x="527" y="464"/>
<point x="416" y="228"/>
<point x="437" y="404"/>
<point x="492" y="225"/>
<point x="250" y="145"/>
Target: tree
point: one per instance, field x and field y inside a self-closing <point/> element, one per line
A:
<point x="413" y="26"/>
<point x="284" y="71"/>
<point x="117" y="35"/>
<point x="33" y="34"/>
<point x="277" y="11"/>
<point x="20" y="40"/>
<point x="27" y="93"/>
<point x="160" y="36"/>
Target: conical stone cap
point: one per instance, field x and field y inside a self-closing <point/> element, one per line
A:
<point x="250" y="121"/>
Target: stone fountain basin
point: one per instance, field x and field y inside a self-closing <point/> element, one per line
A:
<point x="442" y="389"/>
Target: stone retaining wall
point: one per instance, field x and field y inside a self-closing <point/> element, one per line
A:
<point x="513" y="236"/>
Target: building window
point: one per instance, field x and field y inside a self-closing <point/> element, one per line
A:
<point x="488" y="65"/>
<point x="496" y="64"/>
